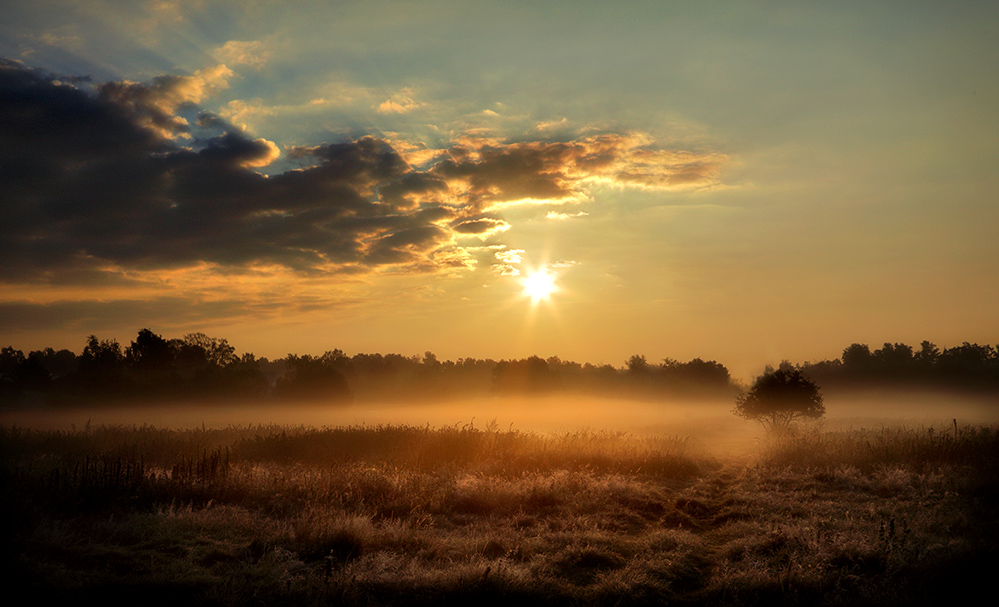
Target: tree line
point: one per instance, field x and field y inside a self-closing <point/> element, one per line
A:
<point x="199" y="367"/>
<point x="969" y="366"/>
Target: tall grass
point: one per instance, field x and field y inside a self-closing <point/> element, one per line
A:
<point x="919" y="448"/>
<point x="414" y="515"/>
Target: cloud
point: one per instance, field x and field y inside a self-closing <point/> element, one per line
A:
<point x="166" y="11"/>
<point x="90" y="315"/>
<point x="511" y="255"/>
<point x="406" y="245"/>
<point x="400" y="103"/>
<point x="413" y="189"/>
<point x="417" y="155"/>
<point x="250" y="52"/>
<point x="482" y="228"/>
<point x="59" y="39"/>
<point x="563" y="263"/>
<point x="551" y="125"/>
<point x="98" y="183"/>
<point x="154" y="106"/>
<point x="563" y="216"/>
<point x="236" y="149"/>
<point x="505" y="269"/>
<point x="243" y="113"/>
<point x="494" y="174"/>
<point x="509" y="260"/>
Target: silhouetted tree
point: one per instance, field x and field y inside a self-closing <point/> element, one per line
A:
<point x="10" y="359"/>
<point x="777" y="399"/>
<point x="191" y="361"/>
<point x="34" y="373"/>
<point x="927" y="355"/>
<point x="894" y="360"/>
<point x="242" y="378"/>
<point x="61" y="362"/>
<point x="969" y="363"/>
<point x="152" y="367"/>
<point x="705" y="373"/>
<point x="315" y="377"/>
<point x="430" y="361"/>
<point x="149" y="353"/>
<point x="824" y="370"/>
<point x="217" y="351"/>
<point x="101" y="368"/>
<point x="528" y="375"/>
<point x="857" y="357"/>
<point x="31" y="374"/>
<point x="637" y="365"/>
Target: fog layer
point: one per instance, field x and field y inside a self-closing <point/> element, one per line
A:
<point x="705" y="425"/>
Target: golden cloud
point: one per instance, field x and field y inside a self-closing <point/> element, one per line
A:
<point x="400" y="103"/>
<point x="235" y="52"/>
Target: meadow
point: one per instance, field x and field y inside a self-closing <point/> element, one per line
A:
<point x="475" y="513"/>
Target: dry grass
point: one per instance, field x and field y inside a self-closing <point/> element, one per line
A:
<point x="409" y="515"/>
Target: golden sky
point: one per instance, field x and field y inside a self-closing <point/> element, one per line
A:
<point x="739" y="181"/>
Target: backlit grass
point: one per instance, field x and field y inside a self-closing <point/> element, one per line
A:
<point x="421" y="515"/>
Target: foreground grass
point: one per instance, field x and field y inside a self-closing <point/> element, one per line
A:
<point x="403" y="515"/>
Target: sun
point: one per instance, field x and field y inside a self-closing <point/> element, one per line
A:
<point x="539" y="284"/>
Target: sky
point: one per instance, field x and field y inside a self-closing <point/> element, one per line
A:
<point x="745" y="181"/>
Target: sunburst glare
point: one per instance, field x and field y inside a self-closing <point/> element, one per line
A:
<point x="539" y="284"/>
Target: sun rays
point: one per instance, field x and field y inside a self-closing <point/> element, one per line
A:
<point x="539" y="284"/>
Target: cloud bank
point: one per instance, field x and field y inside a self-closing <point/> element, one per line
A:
<point x="123" y="176"/>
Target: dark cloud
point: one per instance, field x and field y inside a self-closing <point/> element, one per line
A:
<point x="479" y="226"/>
<point x="208" y="120"/>
<point x="231" y="148"/>
<point x="95" y="177"/>
<point x="514" y="172"/>
<point x="96" y="316"/>
<point x="407" y="191"/>
<point x="405" y="245"/>
<point x="141" y="102"/>
<point x="359" y="164"/>
<point x="90" y="316"/>
<point x="110" y="177"/>
<point x="155" y="105"/>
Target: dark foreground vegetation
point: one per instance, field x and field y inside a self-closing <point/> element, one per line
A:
<point x="400" y="515"/>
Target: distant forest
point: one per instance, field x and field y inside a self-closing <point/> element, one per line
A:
<point x="198" y="367"/>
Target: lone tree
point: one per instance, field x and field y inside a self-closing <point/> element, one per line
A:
<point x="779" y="398"/>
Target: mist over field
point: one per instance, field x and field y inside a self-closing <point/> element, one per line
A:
<point x="706" y="425"/>
<point x="562" y="500"/>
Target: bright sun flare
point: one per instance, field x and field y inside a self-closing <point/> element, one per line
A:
<point x="539" y="284"/>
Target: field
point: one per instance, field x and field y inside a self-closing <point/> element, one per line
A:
<point x="470" y="513"/>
